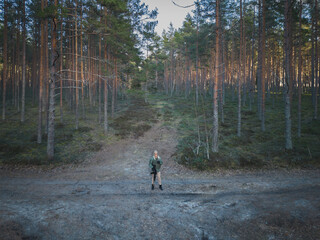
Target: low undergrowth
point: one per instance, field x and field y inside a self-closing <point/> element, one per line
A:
<point x="18" y="141"/>
<point x="136" y="119"/>
<point x="254" y="149"/>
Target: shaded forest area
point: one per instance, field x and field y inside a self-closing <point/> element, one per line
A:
<point x="239" y="80"/>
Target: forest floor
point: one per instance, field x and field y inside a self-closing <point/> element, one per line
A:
<point x="108" y="196"/>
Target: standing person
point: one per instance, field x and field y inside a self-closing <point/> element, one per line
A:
<point x="155" y="163"/>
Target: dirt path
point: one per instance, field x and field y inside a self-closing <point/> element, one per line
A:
<point x="109" y="197"/>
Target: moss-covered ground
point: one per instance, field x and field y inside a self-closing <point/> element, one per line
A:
<point x="18" y="141"/>
<point x="254" y="149"/>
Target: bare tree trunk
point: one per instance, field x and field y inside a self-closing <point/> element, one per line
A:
<point x="206" y="130"/>
<point x="61" y="66"/>
<point x="54" y="58"/>
<point x="197" y="57"/>
<point x="23" y="62"/>
<point x="288" y="55"/>
<point x="106" y="82"/>
<point x="315" y="113"/>
<point x="240" y="72"/>
<point x="299" y="71"/>
<point x="244" y="60"/>
<point x="215" y="146"/>
<point x="47" y="73"/>
<point x="221" y="88"/>
<point x="313" y="93"/>
<point x="41" y="74"/>
<point x="99" y="80"/>
<point x="232" y="65"/>
<point x="106" y="96"/>
<point x="5" y="52"/>
<point x="261" y="65"/>
<point x="76" y="65"/>
<point x="252" y="84"/>
<point x="34" y="73"/>
<point x="17" y="70"/>
<point x="81" y="64"/>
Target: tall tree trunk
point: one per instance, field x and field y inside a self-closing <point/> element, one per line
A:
<point x="240" y="72"/>
<point x="23" y="61"/>
<point x="106" y="89"/>
<point x="54" y="58"/>
<point x="99" y="79"/>
<point x="61" y="67"/>
<point x="106" y="80"/>
<point x="288" y="77"/>
<point x="215" y="146"/>
<point x="47" y="73"/>
<point x="261" y="64"/>
<point x="41" y="75"/>
<point x="299" y="70"/>
<point x="76" y="64"/>
<point x="221" y="88"/>
<point x="197" y="57"/>
<point x="252" y="80"/>
<point x="5" y="52"/>
<point x="34" y="73"/>
<point x="81" y="63"/>
<point x="315" y="112"/>
<point x="313" y="93"/>
<point x="17" y="69"/>
<point x="244" y="60"/>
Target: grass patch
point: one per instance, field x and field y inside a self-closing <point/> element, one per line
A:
<point x="136" y="119"/>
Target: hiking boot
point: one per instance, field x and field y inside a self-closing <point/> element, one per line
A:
<point x="152" y="187"/>
<point x="160" y="186"/>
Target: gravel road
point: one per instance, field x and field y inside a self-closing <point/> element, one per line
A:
<point x="109" y="197"/>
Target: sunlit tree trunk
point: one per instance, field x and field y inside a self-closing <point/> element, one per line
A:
<point x="82" y="61"/>
<point x="240" y="80"/>
<point x="221" y="82"/>
<point x="215" y="146"/>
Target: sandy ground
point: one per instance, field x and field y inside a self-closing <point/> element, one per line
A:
<point x="109" y="197"/>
